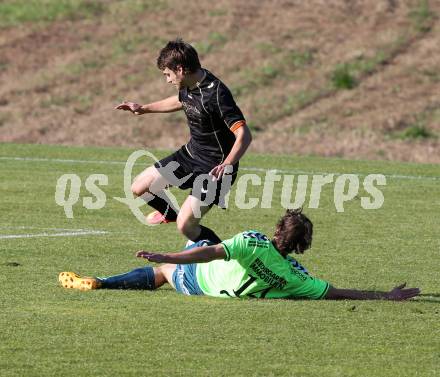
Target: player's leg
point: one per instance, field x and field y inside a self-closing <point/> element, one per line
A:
<point x="203" y="196"/>
<point x="150" y="185"/>
<point x="147" y="277"/>
<point x="188" y="221"/>
<point x="139" y="278"/>
<point x="165" y="273"/>
<point x="150" y="180"/>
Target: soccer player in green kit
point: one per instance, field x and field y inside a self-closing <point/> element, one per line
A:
<point x="247" y="265"/>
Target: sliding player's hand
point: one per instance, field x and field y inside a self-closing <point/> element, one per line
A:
<point x="219" y="171"/>
<point x="152" y="257"/>
<point x="399" y="293"/>
<point x="133" y="107"/>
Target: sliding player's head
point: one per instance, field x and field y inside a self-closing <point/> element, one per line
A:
<point x="293" y="232"/>
<point x="177" y="60"/>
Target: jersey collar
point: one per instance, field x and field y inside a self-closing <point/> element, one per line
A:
<point x="198" y="83"/>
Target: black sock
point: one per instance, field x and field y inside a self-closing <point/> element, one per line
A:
<point x="163" y="207"/>
<point x="207" y="234"/>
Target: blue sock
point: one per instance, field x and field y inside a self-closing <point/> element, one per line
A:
<point x="139" y="278"/>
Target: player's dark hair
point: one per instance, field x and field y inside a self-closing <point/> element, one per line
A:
<point x="293" y="232"/>
<point x="177" y="53"/>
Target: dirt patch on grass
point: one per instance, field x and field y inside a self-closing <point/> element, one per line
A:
<point x="60" y="81"/>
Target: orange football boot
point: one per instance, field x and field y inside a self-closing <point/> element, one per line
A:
<point x="74" y="281"/>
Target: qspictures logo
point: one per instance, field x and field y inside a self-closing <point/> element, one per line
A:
<point x="297" y="190"/>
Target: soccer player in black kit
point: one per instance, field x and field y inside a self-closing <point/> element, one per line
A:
<point x="219" y="138"/>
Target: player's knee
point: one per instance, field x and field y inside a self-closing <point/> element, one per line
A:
<point x="181" y="225"/>
<point x="143" y="182"/>
<point x="159" y="277"/>
<point x="140" y="187"/>
<point x="186" y="227"/>
<point x="137" y="189"/>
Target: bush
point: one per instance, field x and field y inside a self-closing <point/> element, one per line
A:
<point x="343" y="78"/>
<point x="416" y="131"/>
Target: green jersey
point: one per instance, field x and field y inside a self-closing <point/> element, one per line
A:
<point x="254" y="267"/>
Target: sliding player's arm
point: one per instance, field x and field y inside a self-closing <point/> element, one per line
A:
<point x="166" y="105"/>
<point x="200" y="254"/>
<point x="396" y="294"/>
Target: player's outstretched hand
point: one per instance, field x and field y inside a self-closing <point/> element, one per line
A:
<point x="400" y="294"/>
<point x="152" y="257"/>
<point x="133" y="107"/>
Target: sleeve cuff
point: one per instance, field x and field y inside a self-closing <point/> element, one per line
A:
<point x="227" y="252"/>
<point x="236" y="125"/>
<point x="327" y="286"/>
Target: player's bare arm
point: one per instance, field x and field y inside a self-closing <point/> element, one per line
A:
<point x="201" y="254"/>
<point x="167" y="105"/>
<point x="398" y="293"/>
<point x="243" y="139"/>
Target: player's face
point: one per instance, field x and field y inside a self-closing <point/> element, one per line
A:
<point x="175" y="78"/>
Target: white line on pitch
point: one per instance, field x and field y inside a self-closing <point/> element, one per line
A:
<point x="62" y="234"/>
<point x="397" y="176"/>
<point x="45" y="228"/>
<point x="62" y="160"/>
<point x="104" y="162"/>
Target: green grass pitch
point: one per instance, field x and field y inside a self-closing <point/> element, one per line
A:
<point x="48" y="331"/>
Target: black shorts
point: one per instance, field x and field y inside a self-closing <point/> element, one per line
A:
<point x="183" y="171"/>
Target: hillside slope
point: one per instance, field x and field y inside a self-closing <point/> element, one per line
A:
<point x="335" y="78"/>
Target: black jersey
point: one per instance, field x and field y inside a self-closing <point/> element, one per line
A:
<point x="212" y="113"/>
